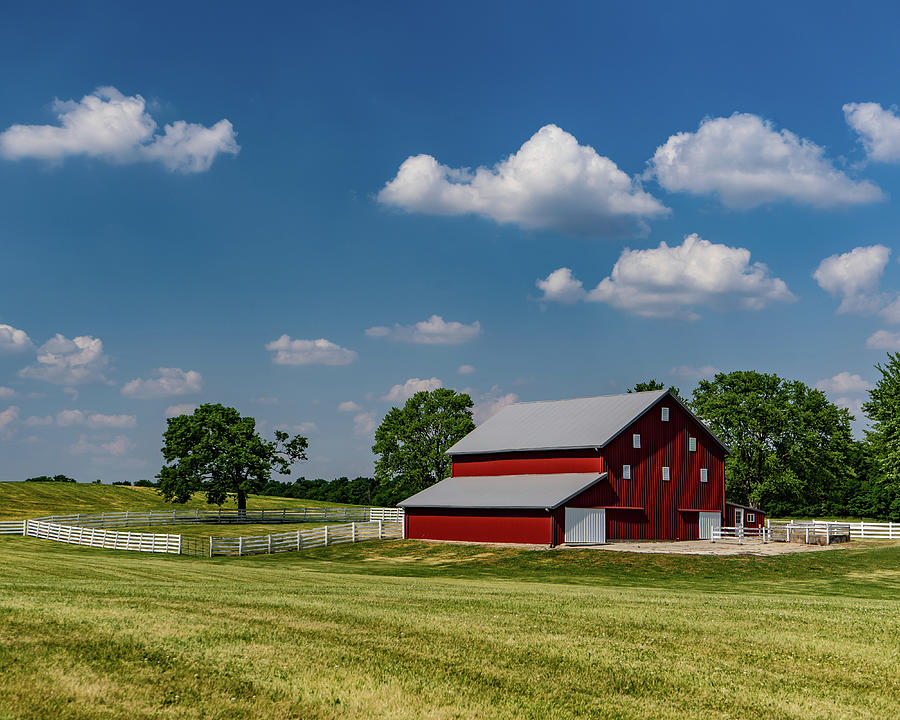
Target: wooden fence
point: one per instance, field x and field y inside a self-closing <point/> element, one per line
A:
<point x="108" y="539"/>
<point x="301" y="539"/>
<point x="859" y="530"/>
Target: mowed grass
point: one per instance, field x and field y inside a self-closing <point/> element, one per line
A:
<point x="404" y="629"/>
<point x="227" y="529"/>
<point x="31" y="499"/>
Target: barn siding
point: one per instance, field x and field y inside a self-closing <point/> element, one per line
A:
<point x="527" y="463"/>
<point x="511" y="526"/>
<point x="729" y="517"/>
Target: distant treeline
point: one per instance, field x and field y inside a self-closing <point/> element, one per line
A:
<point x="359" y="491"/>
<point x="47" y="478"/>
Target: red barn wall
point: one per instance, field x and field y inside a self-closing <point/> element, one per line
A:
<point x="510" y="526"/>
<point x="528" y="463"/>
<point x="759" y="521"/>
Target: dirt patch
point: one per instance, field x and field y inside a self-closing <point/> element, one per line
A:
<point x="705" y="547"/>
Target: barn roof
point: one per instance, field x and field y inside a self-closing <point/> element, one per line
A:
<point x="511" y="492"/>
<point x="562" y="424"/>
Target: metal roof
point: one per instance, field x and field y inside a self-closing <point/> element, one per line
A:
<point x="510" y="492"/>
<point x="557" y="424"/>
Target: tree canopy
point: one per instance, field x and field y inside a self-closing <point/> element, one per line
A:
<point x="883" y="440"/>
<point x="411" y="441"/>
<point x="217" y="451"/>
<point x="791" y="449"/>
<point x="654" y="384"/>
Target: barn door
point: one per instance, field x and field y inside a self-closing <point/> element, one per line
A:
<point x="708" y="521"/>
<point x="585" y="525"/>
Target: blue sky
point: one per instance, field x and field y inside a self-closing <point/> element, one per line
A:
<point x="310" y="212"/>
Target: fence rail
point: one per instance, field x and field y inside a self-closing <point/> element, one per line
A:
<point x="739" y="533"/>
<point x="858" y="530"/>
<point x="301" y="539"/>
<point x="108" y="539"/>
<point x="12" y="527"/>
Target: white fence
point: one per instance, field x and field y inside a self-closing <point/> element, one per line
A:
<point x="858" y="530"/>
<point x="12" y="527"/>
<point x="739" y="533"/>
<point x="108" y="539"/>
<point x="301" y="539"/>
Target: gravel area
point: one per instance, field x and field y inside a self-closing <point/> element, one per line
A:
<point x="704" y="547"/>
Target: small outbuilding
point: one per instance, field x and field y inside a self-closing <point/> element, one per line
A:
<point x="635" y="466"/>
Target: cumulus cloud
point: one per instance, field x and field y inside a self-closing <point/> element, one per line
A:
<point x="114" y="127"/>
<point x="551" y="182"/>
<point x="117" y="447"/>
<point x="878" y="130"/>
<point x="843" y="382"/>
<point x="69" y="362"/>
<point x="402" y="393"/>
<point x="36" y="421"/>
<point x="364" y="424"/>
<point x="561" y="286"/>
<point x="883" y="340"/>
<point x="166" y="382"/>
<point x="672" y="281"/>
<point x="6" y="393"/>
<point x="466" y="369"/>
<point x="854" y="276"/>
<point x="746" y="162"/>
<point x="433" y="331"/>
<point x="13" y="340"/>
<point x="7" y="418"/>
<point x="303" y="428"/>
<point x="286" y="351"/>
<point x="180" y="409"/>
<point x="348" y="406"/>
<point x="67" y="418"/>
<point x="491" y="403"/>
<point x="691" y="372"/>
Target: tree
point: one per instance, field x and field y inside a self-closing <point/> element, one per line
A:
<point x="654" y="384"/>
<point x="883" y="440"/>
<point x="791" y="449"/>
<point x="217" y="451"/>
<point x="411" y="441"/>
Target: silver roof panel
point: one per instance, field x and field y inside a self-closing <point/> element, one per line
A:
<point x="510" y="492"/>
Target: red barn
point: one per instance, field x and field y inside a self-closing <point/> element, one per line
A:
<point x="636" y="466"/>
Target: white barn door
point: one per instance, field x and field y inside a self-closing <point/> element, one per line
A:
<point x="585" y="525"/>
<point x="708" y="521"/>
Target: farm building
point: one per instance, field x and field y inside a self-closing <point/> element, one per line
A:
<point x="636" y="466"/>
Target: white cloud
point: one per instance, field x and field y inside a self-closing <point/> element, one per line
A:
<point x="98" y="420"/>
<point x="843" y="383"/>
<point x="13" y="340"/>
<point x="109" y="125"/>
<point x="168" y="382"/>
<point x="69" y="362"/>
<point x="364" y="424"/>
<point x="551" y="182"/>
<point x="433" y="331"/>
<point x="309" y="352"/>
<point x="304" y="428"/>
<point x="854" y="276"/>
<point x="690" y="372"/>
<point x="117" y="447"/>
<point x="181" y="409"/>
<point x="466" y="369"/>
<point x="6" y="392"/>
<point x="883" y="340"/>
<point x="561" y="286"/>
<point x="747" y="162"/>
<point x="7" y="418"/>
<point x="67" y="418"/>
<point x="348" y="406"/>
<point x="402" y="393"/>
<point x="491" y="403"/>
<point x="878" y="128"/>
<point x="854" y="405"/>
<point x="70" y="417"/>
<point x="671" y="281"/>
<point x="35" y="421"/>
<point x="266" y="400"/>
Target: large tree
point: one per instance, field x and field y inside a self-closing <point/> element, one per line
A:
<point x="411" y="441"/>
<point x="883" y="439"/>
<point x="654" y="384"/>
<point x="217" y="451"/>
<point x="791" y="449"/>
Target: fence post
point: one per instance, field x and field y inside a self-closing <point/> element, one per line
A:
<point x="179" y="544"/>
<point x="353" y="532"/>
<point x="25" y="528"/>
<point x="326" y="536"/>
<point x="210" y="545"/>
<point x="891" y="530"/>
<point x="380" y="533"/>
<point x="862" y="529"/>
<point x="270" y="544"/>
<point x="298" y="541"/>
<point x="240" y="545"/>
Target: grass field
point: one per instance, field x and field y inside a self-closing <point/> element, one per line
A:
<point x="227" y="529"/>
<point x="403" y="629"/>
<point x="27" y="500"/>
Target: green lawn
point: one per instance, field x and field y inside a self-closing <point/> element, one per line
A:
<point x="403" y="629"/>
<point x="27" y="500"/>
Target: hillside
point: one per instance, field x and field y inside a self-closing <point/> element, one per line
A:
<point x="32" y="499"/>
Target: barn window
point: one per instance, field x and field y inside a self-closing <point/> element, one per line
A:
<point x="692" y="444"/>
<point x="704" y="475"/>
<point x="751" y="517"/>
<point x="626" y="472"/>
<point x="665" y="474"/>
<point x="636" y="440"/>
<point x="665" y="414"/>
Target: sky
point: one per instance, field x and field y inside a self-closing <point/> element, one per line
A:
<point x="311" y="212"/>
